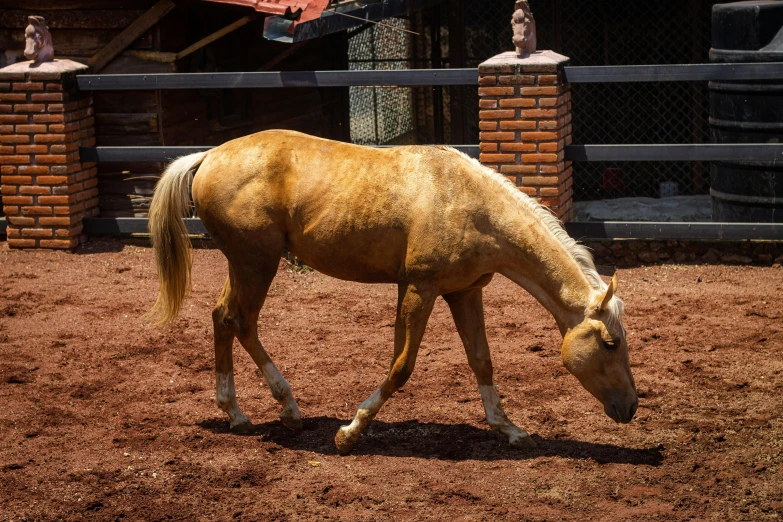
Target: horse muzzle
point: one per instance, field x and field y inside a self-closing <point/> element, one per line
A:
<point x="621" y="411"/>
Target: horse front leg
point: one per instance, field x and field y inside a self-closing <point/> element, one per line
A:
<point x="467" y="308"/>
<point x="413" y="310"/>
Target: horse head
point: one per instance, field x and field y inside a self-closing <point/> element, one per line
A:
<point x="595" y="352"/>
<point x="38" y="41"/>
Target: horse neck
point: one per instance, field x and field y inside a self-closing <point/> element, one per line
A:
<point x="538" y="262"/>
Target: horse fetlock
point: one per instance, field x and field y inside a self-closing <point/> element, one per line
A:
<point x="281" y="390"/>
<point x="225" y="404"/>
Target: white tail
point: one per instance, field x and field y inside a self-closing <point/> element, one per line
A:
<point x="170" y="241"/>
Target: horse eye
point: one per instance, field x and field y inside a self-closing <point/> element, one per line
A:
<point x="610" y="345"/>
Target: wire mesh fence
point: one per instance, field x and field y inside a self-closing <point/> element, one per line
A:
<point x="381" y="115"/>
<point x="401" y="115"/>
<point x="615" y="32"/>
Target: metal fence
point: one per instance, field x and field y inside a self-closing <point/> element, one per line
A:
<point x="396" y="114"/>
<point x="616" y="32"/>
<point x="581" y="154"/>
<point x="381" y="115"/>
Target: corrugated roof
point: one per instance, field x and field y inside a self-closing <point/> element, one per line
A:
<point x="300" y="10"/>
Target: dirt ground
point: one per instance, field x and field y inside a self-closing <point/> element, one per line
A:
<point x="104" y="418"/>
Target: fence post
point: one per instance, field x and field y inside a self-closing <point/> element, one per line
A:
<point x="525" y="124"/>
<point x="46" y="189"/>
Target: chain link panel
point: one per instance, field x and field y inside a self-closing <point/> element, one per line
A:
<point x="381" y="115"/>
<point x="615" y="32"/>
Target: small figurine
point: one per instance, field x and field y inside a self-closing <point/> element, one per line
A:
<point x="38" y="41"/>
<point x="524" y="26"/>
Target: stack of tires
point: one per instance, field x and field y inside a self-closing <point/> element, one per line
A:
<point x="747" y="112"/>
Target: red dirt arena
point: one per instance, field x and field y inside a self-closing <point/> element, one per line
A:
<point x="106" y="418"/>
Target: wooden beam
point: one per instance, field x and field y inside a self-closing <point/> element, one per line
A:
<point x="129" y="35"/>
<point x="116" y="19"/>
<point x="66" y="5"/>
<point x="216" y="35"/>
<point x="154" y="56"/>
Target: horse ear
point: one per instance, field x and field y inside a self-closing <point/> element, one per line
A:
<point x="610" y="291"/>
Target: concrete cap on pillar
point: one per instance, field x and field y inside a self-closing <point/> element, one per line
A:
<point x="56" y="66"/>
<point x="539" y="61"/>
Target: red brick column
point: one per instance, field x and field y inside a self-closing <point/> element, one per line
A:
<point x="525" y="124"/>
<point x="46" y="189"/>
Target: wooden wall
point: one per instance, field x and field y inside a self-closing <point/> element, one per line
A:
<point x="81" y="27"/>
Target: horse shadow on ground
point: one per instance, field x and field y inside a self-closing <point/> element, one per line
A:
<point x="432" y="440"/>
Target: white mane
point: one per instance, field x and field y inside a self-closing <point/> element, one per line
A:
<point x="578" y="252"/>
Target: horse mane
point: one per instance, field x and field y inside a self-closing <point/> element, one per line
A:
<point x="579" y="253"/>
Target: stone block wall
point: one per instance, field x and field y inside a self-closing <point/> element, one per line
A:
<point x="46" y="189"/>
<point x="525" y="124"/>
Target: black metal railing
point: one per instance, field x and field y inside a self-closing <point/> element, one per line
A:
<point x="587" y="230"/>
<point x="422" y="77"/>
<point x="277" y="79"/>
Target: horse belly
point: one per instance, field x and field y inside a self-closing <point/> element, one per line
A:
<point x="368" y="256"/>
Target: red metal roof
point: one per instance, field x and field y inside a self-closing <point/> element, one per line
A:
<point x="301" y="10"/>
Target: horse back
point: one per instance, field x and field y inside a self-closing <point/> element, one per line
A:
<point x="353" y="212"/>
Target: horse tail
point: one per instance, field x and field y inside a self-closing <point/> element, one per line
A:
<point x="170" y="203"/>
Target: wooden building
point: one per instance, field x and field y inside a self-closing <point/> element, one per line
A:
<point x="190" y="36"/>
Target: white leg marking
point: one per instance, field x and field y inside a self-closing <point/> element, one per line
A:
<point x="492" y="408"/>
<point x="364" y="414"/>
<point x="498" y="420"/>
<point x="226" y="398"/>
<point x="348" y="435"/>
<point x="281" y="391"/>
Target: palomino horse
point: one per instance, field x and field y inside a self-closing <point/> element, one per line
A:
<point x="430" y="219"/>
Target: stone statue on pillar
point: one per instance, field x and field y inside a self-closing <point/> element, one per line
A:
<point x="38" y="41"/>
<point x="524" y="26"/>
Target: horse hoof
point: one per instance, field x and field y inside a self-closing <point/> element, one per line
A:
<point x="343" y="442"/>
<point x="242" y="427"/>
<point x="522" y="442"/>
<point x="291" y="422"/>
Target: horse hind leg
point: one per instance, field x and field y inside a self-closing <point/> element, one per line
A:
<point x="281" y="390"/>
<point x="252" y="287"/>
<point x="468" y="311"/>
<point x="225" y="392"/>
<point x="237" y="312"/>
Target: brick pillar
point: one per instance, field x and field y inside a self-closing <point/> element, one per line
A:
<point x="525" y="124"/>
<point x="46" y="190"/>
